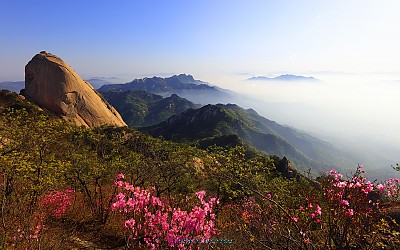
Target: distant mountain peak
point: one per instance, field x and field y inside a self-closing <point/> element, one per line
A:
<point x="185" y="78"/>
<point x="285" y="77"/>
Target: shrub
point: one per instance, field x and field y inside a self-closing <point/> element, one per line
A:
<point x="155" y="223"/>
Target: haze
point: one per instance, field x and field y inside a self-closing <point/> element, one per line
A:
<point x="351" y="46"/>
<point x="357" y="112"/>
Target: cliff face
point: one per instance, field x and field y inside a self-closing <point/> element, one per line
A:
<point x="54" y="85"/>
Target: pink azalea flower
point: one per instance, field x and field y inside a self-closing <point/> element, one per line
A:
<point x="130" y="223"/>
<point x="119" y="184"/>
<point x="201" y="194"/>
<point x="344" y="203"/>
<point x="349" y="212"/>
<point x="318" y="210"/>
<point x="380" y="187"/>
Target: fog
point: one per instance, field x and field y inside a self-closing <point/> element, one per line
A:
<point x="358" y="113"/>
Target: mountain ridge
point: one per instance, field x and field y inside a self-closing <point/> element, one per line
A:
<point x="183" y="85"/>
<point x="286" y="78"/>
<point x="212" y="122"/>
<point x="14" y="86"/>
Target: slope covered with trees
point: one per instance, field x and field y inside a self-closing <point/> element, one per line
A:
<point x="141" y="108"/>
<point x="231" y="124"/>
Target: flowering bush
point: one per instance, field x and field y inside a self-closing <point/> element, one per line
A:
<point x="152" y="222"/>
<point x="390" y="189"/>
<point x="52" y="205"/>
<point x="56" y="203"/>
<point x="352" y="208"/>
<point x="340" y="213"/>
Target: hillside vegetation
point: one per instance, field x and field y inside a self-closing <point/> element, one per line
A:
<point x="232" y="125"/>
<point x="141" y="108"/>
<point x="68" y="187"/>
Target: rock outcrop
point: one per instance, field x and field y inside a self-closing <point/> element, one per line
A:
<point x="53" y="84"/>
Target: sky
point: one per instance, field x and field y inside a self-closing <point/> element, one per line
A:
<point x="209" y="39"/>
<point x="353" y="47"/>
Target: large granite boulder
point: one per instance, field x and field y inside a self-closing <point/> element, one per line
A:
<point x="53" y="84"/>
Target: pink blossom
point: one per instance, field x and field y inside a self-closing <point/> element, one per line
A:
<point x="56" y="203"/>
<point x="369" y="187"/>
<point x="129" y="223"/>
<point x="341" y="184"/>
<point x="349" y="212"/>
<point x="156" y="222"/>
<point x="128" y="186"/>
<point x="201" y="194"/>
<point x="380" y="187"/>
<point x="344" y="203"/>
<point x="119" y="184"/>
<point x="269" y="196"/>
<point x="333" y="171"/>
<point x="318" y="210"/>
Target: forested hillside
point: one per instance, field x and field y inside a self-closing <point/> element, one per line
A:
<point x="141" y="108"/>
<point x="230" y="124"/>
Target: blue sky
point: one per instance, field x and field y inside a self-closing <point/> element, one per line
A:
<point x="209" y="38"/>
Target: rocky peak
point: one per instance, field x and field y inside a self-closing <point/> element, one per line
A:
<point x="53" y="84"/>
<point x="185" y="78"/>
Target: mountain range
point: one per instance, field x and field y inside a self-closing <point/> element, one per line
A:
<point x="287" y="77"/>
<point x="183" y="85"/>
<point x="12" y="86"/>
<point x="97" y="82"/>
